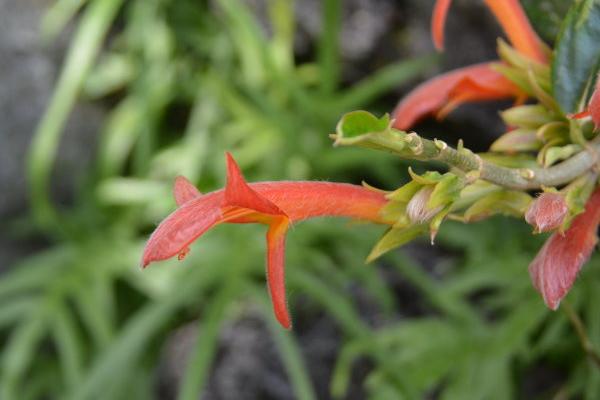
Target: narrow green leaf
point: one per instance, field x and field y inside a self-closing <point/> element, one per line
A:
<point x="84" y="48"/>
<point x="64" y="331"/>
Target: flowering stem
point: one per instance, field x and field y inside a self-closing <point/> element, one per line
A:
<point x="415" y="147"/>
<point x="586" y="344"/>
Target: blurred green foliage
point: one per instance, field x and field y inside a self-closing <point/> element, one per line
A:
<point x="185" y="81"/>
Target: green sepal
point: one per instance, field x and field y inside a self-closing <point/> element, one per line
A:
<point x="576" y="196"/>
<point x="530" y="116"/>
<point x="553" y="130"/>
<point x="516" y="59"/>
<point x="550" y="155"/>
<point x="394" y="211"/>
<point x="436" y="222"/>
<point x="405" y="192"/>
<point x="517" y="140"/>
<point x="576" y="133"/>
<point x="396" y="237"/>
<point x="507" y="202"/>
<point x="516" y="76"/>
<point x="428" y="178"/>
<point x="446" y="191"/>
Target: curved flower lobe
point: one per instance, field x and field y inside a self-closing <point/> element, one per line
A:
<point x="445" y="92"/>
<point x="558" y="262"/>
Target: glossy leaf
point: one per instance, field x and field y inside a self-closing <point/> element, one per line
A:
<point x="577" y="56"/>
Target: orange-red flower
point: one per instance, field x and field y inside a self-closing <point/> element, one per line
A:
<point x="558" y="262"/>
<point x="442" y="94"/>
<point x="479" y="82"/>
<point x="547" y="212"/>
<point x="276" y="204"/>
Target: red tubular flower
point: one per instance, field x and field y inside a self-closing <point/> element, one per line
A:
<point x="480" y="82"/>
<point x="547" y="212"/>
<point x="593" y="108"/>
<point x="276" y="204"/>
<point x="555" y="268"/>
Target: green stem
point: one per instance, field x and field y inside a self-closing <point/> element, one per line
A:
<point x="412" y="146"/>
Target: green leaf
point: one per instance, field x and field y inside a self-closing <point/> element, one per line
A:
<point x="577" y="56"/>
<point x="546" y="15"/>
<point x="87" y="42"/>
<point x="358" y="123"/>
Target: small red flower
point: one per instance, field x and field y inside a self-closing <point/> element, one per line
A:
<point x="276" y="204"/>
<point x="480" y="82"/>
<point x="547" y="212"/>
<point x="558" y="262"/>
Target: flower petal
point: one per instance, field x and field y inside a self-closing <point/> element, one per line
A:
<point x="184" y="190"/>
<point x="239" y="193"/>
<point x="438" y="22"/>
<point x="555" y="268"/>
<point x="513" y="20"/>
<point x="276" y="268"/>
<point x="183" y="226"/>
<point x="473" y="83"/>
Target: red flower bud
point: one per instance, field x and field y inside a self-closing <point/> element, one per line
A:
<point x="558" y="262"/>
<point x="593" y="108"/>
<point x="547" y="212"/>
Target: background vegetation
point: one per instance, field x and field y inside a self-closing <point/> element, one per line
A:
<point x="184" y="81"/>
